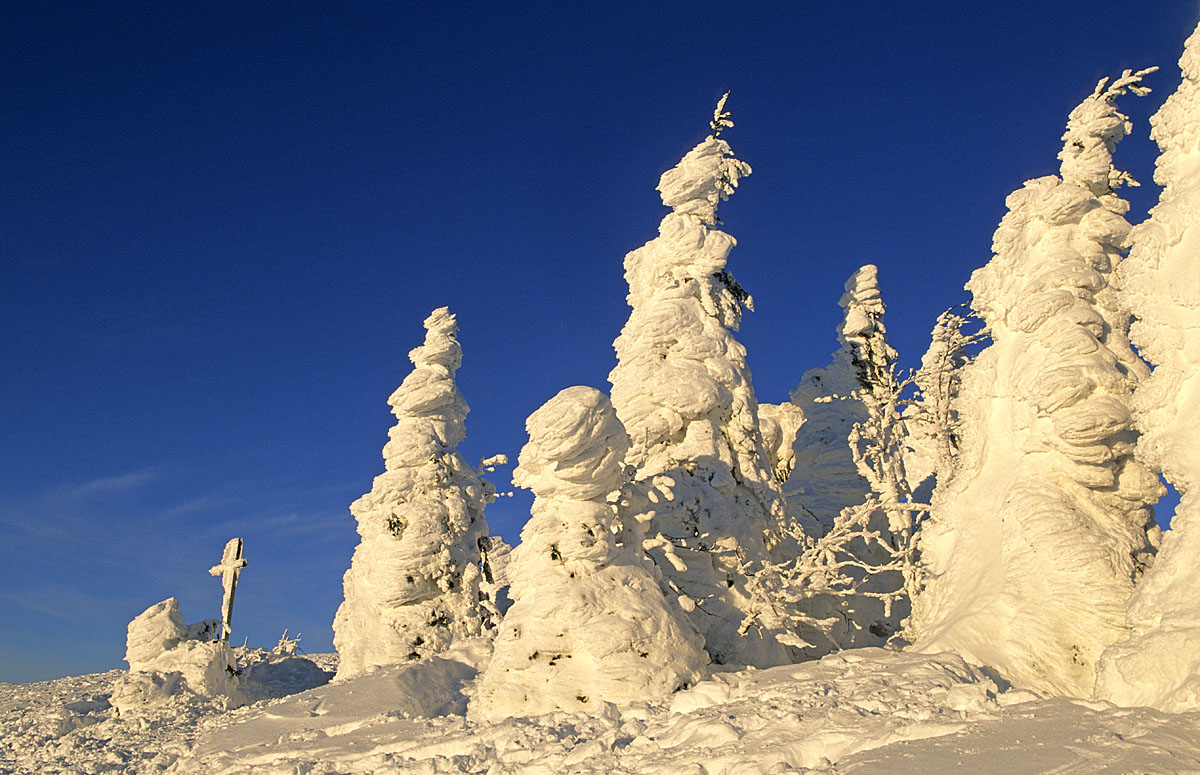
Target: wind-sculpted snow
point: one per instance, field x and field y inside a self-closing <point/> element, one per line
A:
<point x="168" y="659"/>
<point x="683" y="391"/>
<point x="1035" y="544"/>
<point x="1159" y="664"/>
<point x="413" y="586"/>
<point x="588" y="624"/>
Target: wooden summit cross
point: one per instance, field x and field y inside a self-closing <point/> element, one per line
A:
<point x="229" y="569"/>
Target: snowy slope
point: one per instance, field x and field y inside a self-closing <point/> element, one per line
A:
<point x="866" y="711"/>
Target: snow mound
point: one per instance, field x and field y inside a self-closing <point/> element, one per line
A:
<point x="167" y="659"/>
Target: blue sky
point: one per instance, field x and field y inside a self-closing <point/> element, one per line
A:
<point x="221" y="228"/>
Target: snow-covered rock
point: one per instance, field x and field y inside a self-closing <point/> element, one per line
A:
<point x="413" y="586"/>
<point x="588" y="624"/>
<point x="1159" y="663"/>
<point x="683" y="391"/>
<point x="1034" y="544"/>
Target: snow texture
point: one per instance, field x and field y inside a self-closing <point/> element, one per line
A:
<point x="413" y="586"/>
<point x="683" y="391"/>
<point x="1159" y="664"/>
<point x="168" y="659"/>
<point x="1035" y="543"/>
<point x="588" y="624"/>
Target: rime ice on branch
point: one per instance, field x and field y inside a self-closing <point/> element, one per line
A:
<point x="683" y="391"/>
<point x="1035" y="542"/>
<point x="588" y="622"/>
<point x="413" y="586"/>
<point x="1159" y="663"/>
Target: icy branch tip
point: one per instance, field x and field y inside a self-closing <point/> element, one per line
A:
<point x="1129" y="81"/>
<point x="721" y="117"/>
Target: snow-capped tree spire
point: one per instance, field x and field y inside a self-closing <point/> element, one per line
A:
<point x="722" y="119"/>
<point x="846" y="453"/>
<point x="1158" y="664"/>
<point x="413" y="583"/>
<point x="683" y="391"/>
<point x="1034" y="543"/>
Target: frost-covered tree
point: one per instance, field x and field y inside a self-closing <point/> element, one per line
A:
<point x="847" y="491"/>
<point x="683" y="391"/>
<point x="413" y="586"/>
<point x="931" y="420"/>
<point x="1035" y="542"/>
<point x="825" y="478"/>
<point x="1159" y="663"/>
<point x="589" y="623"/>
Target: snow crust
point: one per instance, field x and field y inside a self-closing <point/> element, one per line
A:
<point x="588" y="624"/>
<point x="413" y="586"/>
<point x="1035" y="543"/>
<point x="1159" y="663"/>
<point x="683" y="391"/>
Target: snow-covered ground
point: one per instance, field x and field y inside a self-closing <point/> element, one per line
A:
<point x="861" y="711"/>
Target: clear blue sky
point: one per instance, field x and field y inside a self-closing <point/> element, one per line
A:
<point x="221" y="228"/>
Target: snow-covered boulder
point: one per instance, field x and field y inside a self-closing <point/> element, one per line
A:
<point x="683" y="391"/>
<point x="588" y="624"/>
<point x="414" y="583"/>
<point x="1159" y="663"/>
<point x="1036" y="540"/>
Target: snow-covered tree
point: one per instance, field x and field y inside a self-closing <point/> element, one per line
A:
<point x="682" y="389"/>
<point x="931" y="419"/>
<point x="413" y="586"/>
<point x="1035" y="542"/>
<point x="1159" y="663"/>
<point x="824" y="479"/>
<point x="589" y="624"/>
<point x="840" y="586"/>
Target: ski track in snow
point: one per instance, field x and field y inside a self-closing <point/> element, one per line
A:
<point x="861" y="711"/>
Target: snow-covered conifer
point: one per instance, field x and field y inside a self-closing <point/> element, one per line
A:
<point x="931" y="420"/>
<point x="825" y="478"/>
<point x="1159" y="663"/>
<point x="846" y="491"/>
<point x="588" y="624"/>
<point x="683" y="391"/>
<point x="1034" y="544"/>
<point x="413" y="586"/>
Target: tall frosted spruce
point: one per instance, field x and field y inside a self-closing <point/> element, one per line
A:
<point x="683" y="391"/>
<point x="1036" y="540"/>
<point x="589" y="623"/>
<point x="413" y="586"/>
<point x="846" y="491"/>
<point x="1159" y="663"/>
